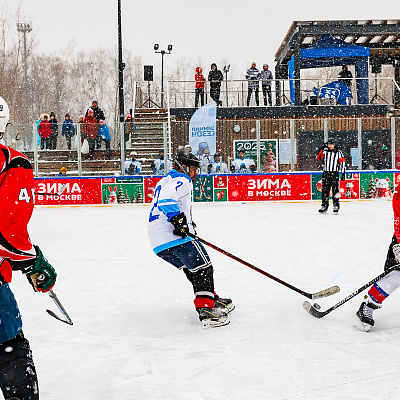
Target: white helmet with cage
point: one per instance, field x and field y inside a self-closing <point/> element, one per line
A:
<point x="4" y="116"/>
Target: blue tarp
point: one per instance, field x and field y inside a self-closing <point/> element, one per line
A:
<point x="334" y="90"/>
<point x="328" y="51"/>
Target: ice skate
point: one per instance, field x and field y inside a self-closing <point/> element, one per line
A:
<point x="224" y="305"/>
<point x="365" y="315"/>
<point x="212" y="317"/>
<point x="323" y="209"/>
<point x="335" y="209"/>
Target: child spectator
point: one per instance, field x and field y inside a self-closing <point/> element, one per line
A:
<point x="68" y="130"/>
<point x="45" y="132"/>
<point x="199" y="88"/>
<point x="63" y="171"/>
<point x="105" y="135"/>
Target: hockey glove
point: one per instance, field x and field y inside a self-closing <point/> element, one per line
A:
<point x="396" y="252"/>
<point x="343" y="177"/>
<point x="180" y="224"/>
<point x="42" y="276"/>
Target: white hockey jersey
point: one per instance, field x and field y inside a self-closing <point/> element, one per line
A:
<point x="132" y="167"/>
<point x="172" y="196"/>
<point x="219" y="168"/>
<point x="159" y="166"/>
<point x="243" y="166"/>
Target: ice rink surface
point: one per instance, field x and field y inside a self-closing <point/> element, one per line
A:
<point x="136" y="334"/>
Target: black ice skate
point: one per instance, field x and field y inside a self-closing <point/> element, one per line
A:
<point x="365" y="315"/>
<point x="212" y="317"/>
<point x="335" y="209"/>
<point x="323" y="209"/>
<point x="224" y="305"/>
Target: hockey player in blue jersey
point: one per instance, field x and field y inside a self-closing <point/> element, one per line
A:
<point x="170" y="222"/>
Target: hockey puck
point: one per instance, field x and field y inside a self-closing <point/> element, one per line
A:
<point x="317" y="306"/>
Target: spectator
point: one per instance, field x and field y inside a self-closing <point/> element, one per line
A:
<point x="68" y="130"/>
<point x="54" y="131"/>
<point x="45" y="132"/>
<point x="199" y="88"/>
<point x="158" y="164"/>
<point x="333" y="163"/>
<point x="90" y="128"/>
<point x="345" y="76"/>
<point x="266" y="77"/>
<point x="129" y="127"/>
<point x="217" y="166"/>
<point x="105" y="135"/>
<point x="242" y="164"/>
<point x="133" y="166"/>
<point x="215" y="77"/>
<point x="253" y="76"/>
<point x="63" y="171"/>
<point x="98" y="114"/>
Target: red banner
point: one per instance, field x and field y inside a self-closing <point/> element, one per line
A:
<point x="77" y="191"/>
<point x="269" y="187"/>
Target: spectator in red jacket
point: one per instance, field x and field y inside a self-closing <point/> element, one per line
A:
<point x="90" y="128"/>
<point x="45" y="133"/>
<point x="199" y="88"/>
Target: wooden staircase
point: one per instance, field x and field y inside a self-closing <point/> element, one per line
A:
<point x="148" y="139"/>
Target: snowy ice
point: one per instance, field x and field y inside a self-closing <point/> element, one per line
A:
<point x="136" y="334"/>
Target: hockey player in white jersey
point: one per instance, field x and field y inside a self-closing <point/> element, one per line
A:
<point x="133" y="166"/>
<point x="218" y="166"/>
<point x="170" y="221"/>
<point x="158" y="164"/>
<point x="242" y="164"/>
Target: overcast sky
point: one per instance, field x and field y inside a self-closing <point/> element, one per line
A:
<point x="235" y="31"/>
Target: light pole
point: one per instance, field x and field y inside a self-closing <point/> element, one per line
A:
<point x="121" y="66"/>
<point x="162" y="52"/>
<point x="226" y="70"/>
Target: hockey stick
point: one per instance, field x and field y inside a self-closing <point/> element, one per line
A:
<point x="314" y="309"/>
<point x="203" y="191"/>
<point x="323" y="293"/>
<point x="59" y="193"/>
<point x="60" y="307"/>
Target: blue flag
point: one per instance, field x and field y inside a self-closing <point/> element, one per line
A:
<point x="202" y="131"/>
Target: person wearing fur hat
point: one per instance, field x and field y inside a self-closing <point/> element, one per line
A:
<point x="199" y="87"/>
<point x="266" y="77"/>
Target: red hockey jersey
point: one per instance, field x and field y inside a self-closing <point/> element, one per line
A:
<point x="17" y="196"/>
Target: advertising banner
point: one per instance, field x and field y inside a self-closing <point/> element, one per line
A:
<point x="268" y="152"/>
<point x="202" y="132"/>
<point x="77" y="191"/>
<point x="349" y="189"/>
<point x="269" y="187"/>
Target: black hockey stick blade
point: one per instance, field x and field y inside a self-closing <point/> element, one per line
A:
<point x="313" y="311"/>
<point x="57" y="302"/>
<point x="325" y="293"/>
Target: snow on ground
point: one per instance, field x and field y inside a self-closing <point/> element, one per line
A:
<point x="136" y="334"/>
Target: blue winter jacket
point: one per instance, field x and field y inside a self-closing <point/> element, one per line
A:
<point x="104" y="131"/>
<point x="68" y="128"/>
<point x="253" y="75"/>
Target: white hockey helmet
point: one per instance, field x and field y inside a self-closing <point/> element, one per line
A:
<point x="4" y="116"/>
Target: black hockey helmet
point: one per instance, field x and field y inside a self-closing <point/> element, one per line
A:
<point x="187" y="159"/>
<point x="331" y="141"/>
<point x="217" y="155"/>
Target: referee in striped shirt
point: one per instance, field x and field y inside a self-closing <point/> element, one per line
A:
<point x="333" y="164"/>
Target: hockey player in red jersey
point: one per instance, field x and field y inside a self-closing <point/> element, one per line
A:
<point x="390" y="282"/>
<point x="18" y="378"/>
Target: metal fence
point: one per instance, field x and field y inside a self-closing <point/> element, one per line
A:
<point x="234" y="93"/>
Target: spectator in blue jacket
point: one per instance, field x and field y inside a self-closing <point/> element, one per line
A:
<point x="104" y="133"/>
<point x="253" y="76"/>
<point x="68" y="130"/>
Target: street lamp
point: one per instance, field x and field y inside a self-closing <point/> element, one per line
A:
<point x="162" y="52"/>
<point x="226" y="70"/>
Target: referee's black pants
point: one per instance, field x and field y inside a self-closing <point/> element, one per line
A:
<point x="330" y="180"/>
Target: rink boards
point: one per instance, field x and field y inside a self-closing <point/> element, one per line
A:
<point x="214" y="188"/>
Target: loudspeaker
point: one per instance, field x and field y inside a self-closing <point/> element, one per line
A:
<point x="148" y="73"/>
